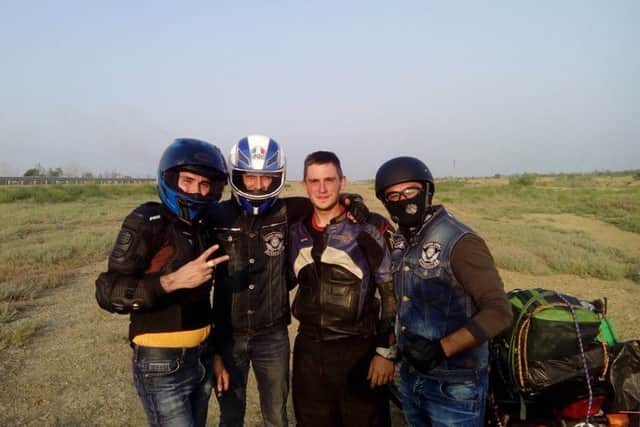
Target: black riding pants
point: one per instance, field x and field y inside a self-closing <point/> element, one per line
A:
<point x="329" y="384"/>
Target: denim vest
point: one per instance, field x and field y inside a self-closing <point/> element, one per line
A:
<point x="431" y="302"/>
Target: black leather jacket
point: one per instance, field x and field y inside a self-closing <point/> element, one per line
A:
<point x="153" y="242"/>
<point x="251" y="293"/>
<point x="338" y="272"/>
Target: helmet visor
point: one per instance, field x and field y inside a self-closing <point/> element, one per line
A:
<point x="216" y="184"/>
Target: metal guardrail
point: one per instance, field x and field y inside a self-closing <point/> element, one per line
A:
<point x="41" y="180"/>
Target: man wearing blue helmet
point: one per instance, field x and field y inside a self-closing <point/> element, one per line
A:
<point x="189" y="157"/>
<point x="251" y="298"/>
<point x="160" y="274"/>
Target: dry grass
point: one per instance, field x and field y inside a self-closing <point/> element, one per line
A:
<point x="44" y="245"/>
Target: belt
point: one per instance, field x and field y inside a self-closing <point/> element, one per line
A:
<point x="164" y="353"/>
<point x="318" y="333"/>
<point x="452" y="375"/>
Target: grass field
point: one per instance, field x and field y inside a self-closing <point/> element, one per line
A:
<point x="64" y="361"/>
<point x="48" y="233"/>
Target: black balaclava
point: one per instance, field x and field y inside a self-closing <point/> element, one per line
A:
<point x="409" y="214"/>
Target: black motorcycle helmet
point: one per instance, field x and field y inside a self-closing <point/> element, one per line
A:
<point x="403" y="169"/>
<point x="199" y="157"/>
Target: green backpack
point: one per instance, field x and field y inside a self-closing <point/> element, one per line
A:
<point x="554" y="338"/>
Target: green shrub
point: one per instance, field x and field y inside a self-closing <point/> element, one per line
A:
<point x="524" y="180"/>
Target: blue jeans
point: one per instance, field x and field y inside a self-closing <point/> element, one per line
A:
<point x="174" y="384"/>
<point x="442" y="403"/>
<point x="268" y="354"/>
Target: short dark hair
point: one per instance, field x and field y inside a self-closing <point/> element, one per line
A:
<point x="322" y="158"/>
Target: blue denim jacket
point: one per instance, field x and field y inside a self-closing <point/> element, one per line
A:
<point x="431" y="302"/>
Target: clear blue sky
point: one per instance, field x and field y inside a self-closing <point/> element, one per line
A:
<point x="488" y="86"/>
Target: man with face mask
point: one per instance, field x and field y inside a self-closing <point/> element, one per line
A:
<point x="450" y="297"/>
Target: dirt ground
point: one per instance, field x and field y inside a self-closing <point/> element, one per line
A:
<point x="76" y="370"/>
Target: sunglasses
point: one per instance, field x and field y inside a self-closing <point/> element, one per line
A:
<point x="407" y="193"/>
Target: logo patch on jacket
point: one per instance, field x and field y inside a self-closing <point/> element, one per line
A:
<point x="430" y="257"/>
<point x="274" y="243"/>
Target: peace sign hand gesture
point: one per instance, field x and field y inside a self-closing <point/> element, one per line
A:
<point x="194" y="273"/>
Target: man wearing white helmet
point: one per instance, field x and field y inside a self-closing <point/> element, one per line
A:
<point x="251" y="297"/>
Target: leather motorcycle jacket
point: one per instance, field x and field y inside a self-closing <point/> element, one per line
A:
<point x="431" y="302"/>
<point x="153" y="242"/>
<point x="338" y="272"/>
<point x="251" y="292"/>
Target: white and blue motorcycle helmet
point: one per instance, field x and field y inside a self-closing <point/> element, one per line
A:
<point x="256" y="155"/>
<point x="199" y="157"/>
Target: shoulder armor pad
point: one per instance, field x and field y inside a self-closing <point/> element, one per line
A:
<point x="141" y="235"/>
<point x="149" y="212"/>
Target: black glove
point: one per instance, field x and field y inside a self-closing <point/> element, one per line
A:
<point x="423" y="354"/>
<point x="355" y="207"/>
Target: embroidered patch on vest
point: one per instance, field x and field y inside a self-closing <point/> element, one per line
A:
<point x="430" y="255"/>
<point x="274" y="243"/>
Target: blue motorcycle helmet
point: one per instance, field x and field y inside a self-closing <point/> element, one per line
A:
<point x="256" y="155"/>
<point x="196" y="156"/>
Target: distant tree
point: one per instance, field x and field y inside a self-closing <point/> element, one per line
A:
<point x="37" y="170"/>
<point x="55" y="172"/>
<point x="88" y="175"/>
